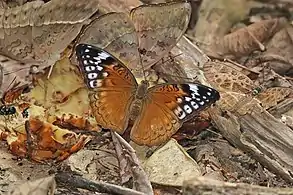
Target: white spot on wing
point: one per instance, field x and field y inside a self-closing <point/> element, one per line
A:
<point x="102" y="56"/>
<point x="179" y="100"/>
<point x="105" y="74"/>
<point x="85" y="62"/>
<point x="194" y="88"/>
<point x="86" y="50"/>
<point x="201" y="103"/>
<point x="180" y="113"/>
<point x="209" y="93"/>
<point x="100" y="68"/>
<point x="187" y="109"/>
<point x="97" y="62"/>
<point x="90" y="68"/>
<point x="93" y="84"/>
<point x="92" y="75"/>
<point x="194" y="105"/>
<point x="188" y="99"/>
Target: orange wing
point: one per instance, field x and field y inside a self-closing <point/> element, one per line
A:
<point x="166" y="107"/>
<point x="112" y="86"/>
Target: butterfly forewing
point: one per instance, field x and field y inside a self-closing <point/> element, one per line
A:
<point x="112" y="86"/>
<point x="166" y="107"/>
<point x="115" y="33"/>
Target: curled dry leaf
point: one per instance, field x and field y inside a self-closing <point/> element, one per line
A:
<point x="10" y="96"/>
<point x="67" y="104"/>
<point x="225" y="77"/>
<point x="246" y="40"/>
<point x="47" y="141"/>
<point x="73" y="122"/>
<point x="272" y="96"/>
<point x="41" y="141"/>
<point x="130" y="167"/>
<point x="193" y="127"/>
<point x="278" y="54"/>
<point x="238" y="91"/>
<point x="171" y="165"/>
<point x="144" y="36"/>
<point x="36" y="33"/>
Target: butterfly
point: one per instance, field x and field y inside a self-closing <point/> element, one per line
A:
<point x="117" y="100"/>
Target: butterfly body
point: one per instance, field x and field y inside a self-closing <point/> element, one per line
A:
<point x="139" y="97"/>
<point x="117" y="100"/>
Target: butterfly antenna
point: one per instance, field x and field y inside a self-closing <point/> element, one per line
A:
<point x="8" y="73"/>
<point x="142" y="67"/>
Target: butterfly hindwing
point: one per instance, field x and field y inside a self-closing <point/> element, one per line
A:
<point x="111" y="86"/>
<point x="166" y="107"/>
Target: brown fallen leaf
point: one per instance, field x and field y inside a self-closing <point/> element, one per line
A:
<point x="246" y="40"/>
<point x="278" y="54"/>
<point x="41" y="141"/>
<point x="140" y="37"/>
<point x="43" y="186"/>
<point x="72" y="122"/>
<point x="33" y="35"/>
<point x="130" y="167"/>
<point x="238" y="90"/>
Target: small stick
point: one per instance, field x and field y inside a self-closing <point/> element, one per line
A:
<point x="79" y="182"/>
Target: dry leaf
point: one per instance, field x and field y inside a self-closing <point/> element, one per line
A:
<point x="142" y="37"/>
<point x="43" y="186"/>
<point x="171" y="165"/>
<point x="278" y="54"/>
<point x="246" y="40"/>
<point x="36" y="33"/>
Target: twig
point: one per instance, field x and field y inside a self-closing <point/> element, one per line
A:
<point x="129" y="162"/>
<point x="79" y="182"/>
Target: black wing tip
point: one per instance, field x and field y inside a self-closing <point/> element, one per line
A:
<point x="217" y="95"/>
<point x="79" y="49"/>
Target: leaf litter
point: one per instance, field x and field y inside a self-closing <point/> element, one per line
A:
<point x="60" y="125"/>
